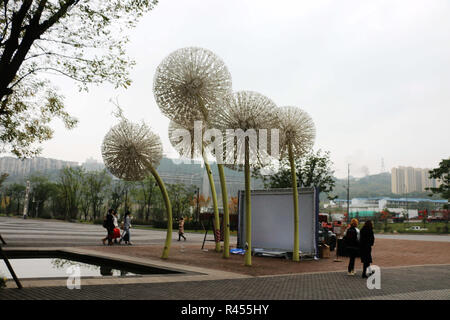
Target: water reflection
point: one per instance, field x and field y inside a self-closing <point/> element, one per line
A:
<point x="64" y="264"/>
<point x="106" y="271"/>
<point x="56" y="268"/>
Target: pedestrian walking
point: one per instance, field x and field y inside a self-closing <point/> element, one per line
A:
<point x="108" y="224"/>
<point x="181" y="229"/>
<point x="366" y="242"/>
<point x="126" y="229"/>
<point x="116" y="231"/>
<point x="351" y="241"/>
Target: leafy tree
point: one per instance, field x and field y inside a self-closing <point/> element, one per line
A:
<point x="313" y="170"/>
<point x="117" y="194"/>
<point x="181" y="199"/>
<point x="85" y="196"/>
<point x="149" y="189"/>
<point x="17" y="193"/>
<point x="97" y="183"/>
<point x="70" y="188"/>
<point x="3" y="177"/>
<point x="80" y="39"/>
<point x="41" y="190"/>
<point x="443" y="174"/>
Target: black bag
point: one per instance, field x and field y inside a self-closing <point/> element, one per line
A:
<point x="104" y="224"/>
<point x="126" y="236"/>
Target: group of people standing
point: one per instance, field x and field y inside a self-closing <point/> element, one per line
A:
<point x="111" y="224"/>
<point x="358" y="243"/>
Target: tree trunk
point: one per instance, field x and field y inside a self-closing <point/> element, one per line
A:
<point x="214" y="198"/>
<point x="248" y="207"/>
<point x="295" y="254"/>
<point x="226" y="214"/>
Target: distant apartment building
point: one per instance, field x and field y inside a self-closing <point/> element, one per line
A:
<point x="18" y="167"/>
<point x="408" y="179"/>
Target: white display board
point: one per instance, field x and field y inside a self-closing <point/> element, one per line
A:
<point x="273" y="219"/>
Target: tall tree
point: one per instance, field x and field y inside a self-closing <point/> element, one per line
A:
<point x="80" y="39"/>
<point x="181" y="199"/>
<point x="17" y="193"/>
<point x="41" y="190"/>
<point x="313" y="170"/>
<point x="117" y="194"/>
<point x="442" y="173"/>
<point x="97" y="182"/>
<point x="70" y="186"/>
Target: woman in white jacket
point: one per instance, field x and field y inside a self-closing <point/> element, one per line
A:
<point x="126" y="228"/>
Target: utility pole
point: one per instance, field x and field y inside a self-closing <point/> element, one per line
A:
<point x="348" y="193"/>
<point x="25" y="204"/>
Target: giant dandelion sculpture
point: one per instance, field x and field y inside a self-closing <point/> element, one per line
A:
<point x="245" y="111"/>
<point x="297" y="133"/>
<point x="188" y="86"/>
<point x="130" y="151"/>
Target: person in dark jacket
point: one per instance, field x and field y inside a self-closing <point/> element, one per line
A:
<point x="351" y="241"/>
<point x="366" y="242"/>
<point x="109" y="225"/>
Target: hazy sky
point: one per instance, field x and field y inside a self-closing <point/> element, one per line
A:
<point x="373" y="75"/>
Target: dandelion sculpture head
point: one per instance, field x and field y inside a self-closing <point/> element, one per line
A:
<point x="246" y="112"/>
<point x="128" y="149"/>
<point x="181" y="138"/>
<point x="189" y="83"/>
<point x="296" y="129"/>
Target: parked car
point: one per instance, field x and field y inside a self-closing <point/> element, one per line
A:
<point x="416" y="228"/>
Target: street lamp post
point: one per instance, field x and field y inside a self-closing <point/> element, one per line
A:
<point x="348" y="193"/>
<point x="25" y="205"/>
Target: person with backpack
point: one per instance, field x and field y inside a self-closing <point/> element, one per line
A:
<point x="108" y="224"/>
<point x="366" y="242"/>
<point x="351" y="242"/>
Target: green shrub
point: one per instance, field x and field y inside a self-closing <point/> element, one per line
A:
<point x="98" y="221"/>
<point x="45" y="215"/>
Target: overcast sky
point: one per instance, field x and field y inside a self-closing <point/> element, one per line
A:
<point x="373" y="75"/>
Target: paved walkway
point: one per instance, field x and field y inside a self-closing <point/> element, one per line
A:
<point x="424" y="282"/>
<point x="49" y="233"/>
<point x="419" y="282"/>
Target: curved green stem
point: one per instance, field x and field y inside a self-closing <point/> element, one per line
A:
<point x="226" y="214"/>
<point x="165" y="195"/>
<point x="210" y="178"/>
<point x="295" y="254"/>
<point x="248" y="207"/>
<point x="214" y="199"/>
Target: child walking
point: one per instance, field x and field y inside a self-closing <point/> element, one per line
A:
<point x="181" y="229"/>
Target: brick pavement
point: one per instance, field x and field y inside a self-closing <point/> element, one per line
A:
<point x="423" y="282"/>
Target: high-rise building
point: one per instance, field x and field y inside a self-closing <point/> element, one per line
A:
<point x="408" y="179"/>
